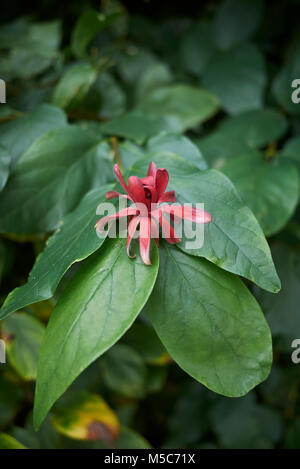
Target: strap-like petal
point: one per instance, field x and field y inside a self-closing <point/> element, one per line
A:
<point x="114" y="195"/>
<point x="100" y="225"/>
<point x="131" y="231"/>
<point x="168" y="230"/>
<point x="145" y="239"/>
<point x="121" y="179"/>
<point x="187" y="213"/>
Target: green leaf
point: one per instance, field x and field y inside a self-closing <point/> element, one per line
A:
<point x="8" y="442"/>
<point x="186" y="104"/>
<point x="270" y="189"/>
<point x="197" y="48"/>
<point x="12" y="34"/>
<point x="210" y="324"/>
<point x="292" y="436"/>
<point x="89" y="24"/>
<point x="130" y="153"/>
<point x="74" y="85"/>
<point x="132" y="63"/>
<point x="282" y="311"/>
<point x="282" y="83"/>
<point x="138" y="126"/>
<point x="189" y="420"/>
<point x="75" y="240"/>
<point x="24" y="337"/>
<point x="242" y="423"/>
<point x="236" y="21"/>
<point x="5" y="160"/>
<point x="11" y="397"/>
<point x="111" y="96"/>
<point x="233" y="240"/>
<point x="84" y="416"/>
<point x="153" y="77"/>
<point x="143" y="338"/>
<point x="98" y="306"/>
<point x="124" y="371"/>
<point x="129" y="439"/>
<point x="258" y="128"/>
<point x="291" y="151"/>
<point x="17" y="135"/>
<point x="33" y="48"/>
<point x="238" y="78"/>
<point x="118" y="28"/>
<point x="42" y="38"/>
<point x="236" y="136"/>
<point x="47" y="182"/>
<point x="179" y="145"/>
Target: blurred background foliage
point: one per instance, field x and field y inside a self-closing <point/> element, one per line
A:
<point x="126" y="70"/>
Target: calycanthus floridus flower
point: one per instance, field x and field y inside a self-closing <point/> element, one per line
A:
<point x="146" y="213"/>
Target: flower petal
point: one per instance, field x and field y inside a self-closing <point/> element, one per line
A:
<point x="153" y="193"/>
<point x="168" y="230"/>
<point x="155" y="231"/>
<point x="148" y="181"/>
<point x="161" y="181"/>
<point x="136" y="188"/>
<point x="131" y="230"/>
<point x="167" y="197"/>
<point x="187" y="213"/>
<point x="114" y="195"/>
<point x="100" y="225"/>
<point x="121" y="179"/>
<point x="152" y="169"/>
<point x="145" y="239"/>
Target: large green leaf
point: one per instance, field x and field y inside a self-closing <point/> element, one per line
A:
<point x="282" y="311"/>
<point x="17" y="136"/>
<point x="270" y="189"/>
<point x="143" y="338"/>
<point x="124" y="371"/>
<point x="188" y="105"/>
<point x="98" y="306"/>
<point x="258" y="128"/>
<point x="197" y="48"/>
<point x="238" y="78"/>
<point x="75" y="240"/>
<point x="236" y="21"/>
<point x="233" y="240"/>
<point x="5" y="160"/>
<point x="130" y="153"/>
<point x="112" y="98"/>
<point x="291" y="151"/>
<point x="24" y="337"/>
<point x="243" y="423"/>
<point x="153" y="77"/>
<point x="74" y="85"/>
<point x="210" y="324"/>
<point x="33" y="48"/>
<point x="138" y="126"/>
<point x="51" y="178"/>
<point x="178" y="144"/>
<point x="237" y="135"/>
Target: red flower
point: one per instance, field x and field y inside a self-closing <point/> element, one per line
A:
<point x="146" y="195"/>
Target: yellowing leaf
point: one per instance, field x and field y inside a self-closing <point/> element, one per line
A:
<point x="85" y="416"/>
